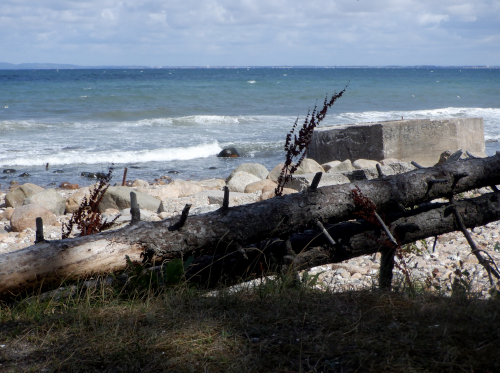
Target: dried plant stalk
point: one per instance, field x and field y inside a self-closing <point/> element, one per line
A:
<point x="296" y="145"/>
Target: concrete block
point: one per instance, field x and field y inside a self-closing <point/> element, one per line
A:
<point x="420" y="140"/>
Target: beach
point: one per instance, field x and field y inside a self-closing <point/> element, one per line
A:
<point x="435" y="265"/>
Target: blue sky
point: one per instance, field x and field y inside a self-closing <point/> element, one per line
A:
<point x="251" y="32"/>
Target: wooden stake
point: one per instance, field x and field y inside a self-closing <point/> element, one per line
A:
<point x="124" y="176"/>
<point x="135" y="212"/>
<point x="39" y="230"/>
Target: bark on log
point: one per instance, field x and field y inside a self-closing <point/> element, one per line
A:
<point x="236" y="227"/>
<point x="354" y="238"/>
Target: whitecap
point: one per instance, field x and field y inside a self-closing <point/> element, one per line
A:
<point x="118" y="157"/>
<point x="251" y="81"/>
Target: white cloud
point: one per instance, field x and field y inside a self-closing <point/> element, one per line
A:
<point x="262" y="32"/>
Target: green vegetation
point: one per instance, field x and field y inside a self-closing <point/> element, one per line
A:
<point x="280" y="325"/>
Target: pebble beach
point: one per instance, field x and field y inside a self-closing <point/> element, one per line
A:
<point x="435" y="263"/>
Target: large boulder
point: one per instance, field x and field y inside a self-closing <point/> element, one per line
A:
<point x="119" y="198"/>
<point x="229" y="152"/>
<point x="240" y="180"/>
<point x="235" y="198"/>
<point x="164" y="192"/>
<point x="259" y="185"/>
<point x="25" y="217"/>
<point x="252" y="168"/>
<point x="16" y="197"/>
<point x="73" y="202"/>
<point x="186" y="188"/>
<point x="302" y="182"/>
<point x="361" y="164"/>
<point x="337" y="166"/>
<point x="309" y="166"/>
<point x="50" y="199"/>
<point x="211" y="184"/>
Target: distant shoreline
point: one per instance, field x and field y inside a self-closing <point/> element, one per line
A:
<point x="55" y="66"/>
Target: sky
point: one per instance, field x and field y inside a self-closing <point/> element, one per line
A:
<point x="251" y="32"/>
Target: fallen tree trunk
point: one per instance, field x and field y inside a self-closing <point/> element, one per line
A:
<point x="230" y="229"/>
<point x="352" y="239"/>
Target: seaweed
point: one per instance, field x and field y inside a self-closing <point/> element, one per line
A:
<point x="296" y="145"/>
<point x="87" y="218"/>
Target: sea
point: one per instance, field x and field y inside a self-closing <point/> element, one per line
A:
<point x="57" y="124"/>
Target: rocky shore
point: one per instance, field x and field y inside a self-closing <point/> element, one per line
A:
<point x="440" y="265"/>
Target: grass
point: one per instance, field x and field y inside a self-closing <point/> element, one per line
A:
<point x="276" y="327"/>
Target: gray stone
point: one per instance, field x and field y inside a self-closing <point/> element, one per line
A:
<point x="140" y="184"/>
<point x="125" y="216"/>
<point x="240" y="180"/>
<point x="204" y="209"/>
<point x="360" y="164"/>
<point x="309" y="166"/>
<point x="260" y="185"/>
<point x="252" y="168"/>
<point x="337" y="166"/>
<point x="119" y="198"/>
<point x="402" y="167"/>
<point x="186" y="188"/>
<point x="235" y="198"/>
<point x="420" y="140"/>
<point x="17" y="196"/>
<point x="25" y="217"/>
<point x="50" y="199"/>
<point x="302" y="182"/>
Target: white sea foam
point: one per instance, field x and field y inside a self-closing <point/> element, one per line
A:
<point x="251" y="81"/>
<point x="117" y="157"/>
<point x="206" y="119"/>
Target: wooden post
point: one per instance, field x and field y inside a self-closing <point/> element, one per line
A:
<point x="39" y="230"/>
<point x="316" y="180"/>
<point x="225" y="202"/>
<point x="124" y="176"/>
<point x="134" y="209"/>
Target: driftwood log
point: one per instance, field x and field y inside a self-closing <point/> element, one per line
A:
<point x="232" y="229"/>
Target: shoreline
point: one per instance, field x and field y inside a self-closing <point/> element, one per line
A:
<point x="438" y="269"/>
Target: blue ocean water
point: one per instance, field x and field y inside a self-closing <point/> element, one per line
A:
<point x="158" y="120"/>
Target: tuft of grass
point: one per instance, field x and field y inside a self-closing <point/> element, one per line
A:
<point x="277" y="325"/>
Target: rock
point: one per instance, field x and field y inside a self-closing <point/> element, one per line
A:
<point x="402" y="167"/>
<point x="228" y="152"/>
<point x="119" y="198"/>
<point x="25" y="217"/>
<point x="252" y="168"/>
<point x="211" y="184"/>
<point x="302" y="182"/>
<point x="388" y="161"/>
<point x="7" y="214"/>
<point x="74" y="201"/>
<point x="186" y="188"/>
<point x="337" y="166"/>
<point x="165" y="192"/>
<point x="448" y="157"/>
<point x="50" y="199"/>
<point x="276" y="171"/>
<point x="174" y="206"/>
<point x="9" y="171"/>
<point x="93" y="175"/>
<point x="16" y="197"/>
<point x="329" y="165"/>
<point x="204" y="209"/>
<point x="25" y="174"/>
<point x="309" y="166"/>
<point x="364" y="163"/>
<point x="146" y="215"/>
<point x="259" y="185"/>
<point x="140" y="184"/>
<point x="235" y="198"/>
<point x="240" y="180"/>
<point x="69" y="186"/>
